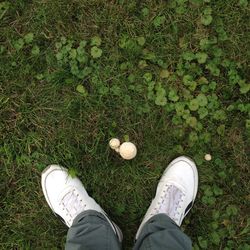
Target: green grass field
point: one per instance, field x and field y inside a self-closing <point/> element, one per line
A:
<point x="173" y="76"/>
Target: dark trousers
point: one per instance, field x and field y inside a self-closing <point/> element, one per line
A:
<point x="92" y="231"/>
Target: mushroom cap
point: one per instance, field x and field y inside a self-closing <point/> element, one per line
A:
<point x="128" y="150"/>
<point x="114" y="143"/>
<point x="208" y="157"/>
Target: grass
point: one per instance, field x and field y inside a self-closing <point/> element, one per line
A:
<point x="44" y="119"/>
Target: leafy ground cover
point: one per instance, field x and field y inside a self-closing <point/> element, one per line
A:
<point x="173" y="76"/>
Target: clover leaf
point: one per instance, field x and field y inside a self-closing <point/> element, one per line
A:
<point x="161" y="100"/>
<point x="96" y="41"/>
<point x="28" y="38"/>
<point x="202" y="100"/>
<point x="203" y="112"/>
<point x="206" y="19"/>
<point x="96" y="52"/>
<point x="80" y="88"/>
<point x="148" y="77"/>
<point x="35" y="50"/>
<point x="188" y="56"/>
<point x="173" y="96"/>
<point x="141" y="40"/>
<point x="192" y="121"/>
<point x="193" y="105"/>
<point x="158" y="21"/>
<point x="221" y="129"/>
<point x="201" y="57"/>
<point x="220" y="115"/>
<point x="164" y="73"/>
<point x="18" y="45"/>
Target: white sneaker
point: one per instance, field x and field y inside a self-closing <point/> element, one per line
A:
<point x="175" y="192"/>
<point x="67" y="197"/>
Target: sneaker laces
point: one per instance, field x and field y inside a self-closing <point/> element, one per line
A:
<point x="72" y="204"/>
<point x="170" y="202"/>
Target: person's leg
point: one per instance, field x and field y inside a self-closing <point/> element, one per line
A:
<point x="160" y="232"/>
<point x="89" y="226"/>
<point x="174" y="198"/>
<point x="91" y="230"/>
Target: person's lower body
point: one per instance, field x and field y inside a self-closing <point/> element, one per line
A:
<point x="90" y="230"/>
<point x="90" y="227"/>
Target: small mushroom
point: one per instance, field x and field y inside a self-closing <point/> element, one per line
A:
<point x="114" y="143"/>
<point x="128" y="150"/>
<point x="208" y="157"/>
